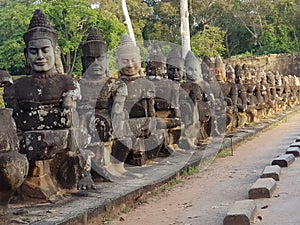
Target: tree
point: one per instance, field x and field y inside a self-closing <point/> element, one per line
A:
<point x="138" y="12"/>
<point x="208" y="42"/>
<point x="15" y="18"/>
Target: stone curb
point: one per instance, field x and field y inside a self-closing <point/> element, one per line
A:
<point x="284" y="160"/>
<point x="241" y="213"/>
<point x="293" y="150"/>
<point x="271" y="172"/>
<point x="262" y="188"/>
<point x="110" y="198"/>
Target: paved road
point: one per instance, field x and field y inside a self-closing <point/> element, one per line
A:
<point x="205" y="198"/>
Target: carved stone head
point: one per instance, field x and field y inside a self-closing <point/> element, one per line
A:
<point x="41" y="46"/>
<point x="239" y="74"/>
<point x="128" y="58"/>
<point x="156" y="64"/>
<point x="5" y="79"/>
<point x="192" y="67"/>
<point x="207" y="68"/>
<point x="230" y="74"/>
<point x="95" y="56"/>
<point x="175" y="66"/>
<point x="220" y="71"/>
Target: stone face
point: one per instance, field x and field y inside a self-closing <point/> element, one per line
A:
<point x="284" y="160"/>
<point x="262" y="188"/>
<point x="271" y="172"/>
<point x="241" y="213"/>
<point x="293" y="150"/>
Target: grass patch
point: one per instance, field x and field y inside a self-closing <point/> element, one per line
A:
<point x="126" y="210"/>
<point x="225" y="153"/>
<point x="190" y="171"/>
<point x="107" y="220"/>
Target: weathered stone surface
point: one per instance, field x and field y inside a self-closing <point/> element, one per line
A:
<point x="39" y="145"/>
<point x="241" y="213"/>
<point x="262" y="188"/>
<point x="293" y="150"/>
<point x="8" y="132"/>
<point x="13" y="165"/>
<point x="13" y="170"/>
<point x="284" y="160"/>
<point x="271" y="172"/>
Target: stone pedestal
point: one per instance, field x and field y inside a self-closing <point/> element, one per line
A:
<point x="39" y="183"/>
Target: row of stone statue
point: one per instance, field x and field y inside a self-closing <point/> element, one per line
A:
<point x="68" y="128"/>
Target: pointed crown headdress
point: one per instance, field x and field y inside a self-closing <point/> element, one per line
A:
<point x="40" y="28"/>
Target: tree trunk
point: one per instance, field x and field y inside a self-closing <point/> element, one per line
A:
<point x="128" y="21"/>
<point x="185" y="29"/>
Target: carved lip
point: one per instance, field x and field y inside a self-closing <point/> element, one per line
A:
<point x="40" y="63"/>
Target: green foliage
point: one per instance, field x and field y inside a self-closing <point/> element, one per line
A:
<point x="1" y="99"/>
<point x="14" y="22"/>
<point x="220" y="27"/>
<point x="279" y="39"/>
<point x="208" y="42"/>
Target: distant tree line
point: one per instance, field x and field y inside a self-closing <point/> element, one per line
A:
<point x="218" y="27"/>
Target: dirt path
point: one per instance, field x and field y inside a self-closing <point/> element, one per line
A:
<point x="205" y="197"/>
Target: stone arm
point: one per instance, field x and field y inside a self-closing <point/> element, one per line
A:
<point x="10" y="99"/>
<point x="175" y="100"/>
<point x="119" y="115"/>
<point x="242" y="98"/>
<point x="234" y="96"/>
<point x="149" y="96"/>
<point x="69" y="105"/>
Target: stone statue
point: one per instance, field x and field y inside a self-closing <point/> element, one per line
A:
<point x="13" y="165"/>
<point x="229" y="91"/>
<point x="217" y="124"/>
<point x="146" y="140"/>
<point x="202" y="98"/>
<point x="164" y="104"/>
<point x="176" y="73"/>
<point x="101" y="105"/>
<point x="242" y="96"/>
<point x="250" y="86"/>
<point x="44" y="108"/>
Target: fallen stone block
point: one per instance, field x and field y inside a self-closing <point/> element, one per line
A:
<point x="293" y="150"/>
<point x="271" y="172"/>
<point x="262" y="188"/>
<point x="241" y="213"/>
<point x="284" y="160"/>
<point x="298" y="139"/>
